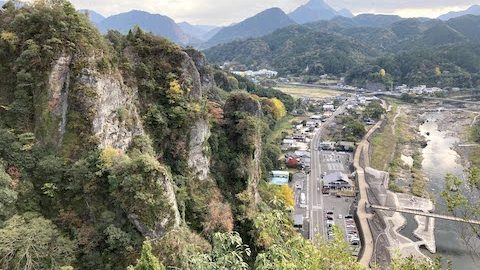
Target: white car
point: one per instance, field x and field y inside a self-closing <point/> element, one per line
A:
<point x="340" y="216"/>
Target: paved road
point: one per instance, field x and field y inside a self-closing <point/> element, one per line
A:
<point x="314" y="186"/>
<point x="362" y="214"/>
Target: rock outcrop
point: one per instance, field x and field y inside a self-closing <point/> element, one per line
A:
<point x="198" y="160"/>
<point x="58" y="90"/>
<point x="116" y="121"/>
<point x="193" y="66"/>
<point x="111" y="116"/>
<point x="164" y="225"/>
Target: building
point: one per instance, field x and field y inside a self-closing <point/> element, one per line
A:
<point x="329" y="107"/>
<point x="298" y="221"/>
<point x="327" y="145"/>
<point x="337" y="181"/>
<point x="346" y="146"/>
<point x="279" y="177"/>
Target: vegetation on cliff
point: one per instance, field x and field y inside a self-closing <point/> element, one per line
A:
<point x="71" y="199"/>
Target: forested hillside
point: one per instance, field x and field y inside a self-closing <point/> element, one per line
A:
<point x="129" y="151"/>
<point x="412" y="51"/>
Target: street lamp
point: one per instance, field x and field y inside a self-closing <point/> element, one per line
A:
<point x="375" y="246"/>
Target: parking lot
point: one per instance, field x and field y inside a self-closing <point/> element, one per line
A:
<point x="299" y="185"/>
<point x="332" y="161"/>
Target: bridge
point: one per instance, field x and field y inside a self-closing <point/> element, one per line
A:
<point x="451" y="100"/>
<point x="426" y="214"/>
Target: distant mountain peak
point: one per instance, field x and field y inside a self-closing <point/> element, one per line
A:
<point x="318" y="5"/>
<point x="345" y="13"/>
<point x="473" y="10"/>
<point x="314" y="10"/>
<point x="94" y="16"/>
<point x="157" y="24"/>
<point x="261" y="24"/>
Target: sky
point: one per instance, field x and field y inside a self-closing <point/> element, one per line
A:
<point x="224" y="12"/>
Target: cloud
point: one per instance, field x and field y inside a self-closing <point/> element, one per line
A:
<point x="224" y="12"/>
<point x="218" y="12"/>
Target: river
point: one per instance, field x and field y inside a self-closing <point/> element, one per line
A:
<point x="439" y="158"/>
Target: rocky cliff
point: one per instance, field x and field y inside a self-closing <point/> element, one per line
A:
<point x="109" y="109"/>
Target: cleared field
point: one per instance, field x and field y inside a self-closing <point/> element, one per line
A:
<point x="311" y="92"/>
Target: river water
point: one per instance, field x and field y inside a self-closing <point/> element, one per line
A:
<point x="439" y="158"/>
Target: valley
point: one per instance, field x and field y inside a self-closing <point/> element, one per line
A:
<point x="244" y="135"/>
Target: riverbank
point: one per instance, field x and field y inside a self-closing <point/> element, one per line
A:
<point x="397" y="150"/>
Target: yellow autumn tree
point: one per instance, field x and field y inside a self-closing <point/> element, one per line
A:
<point x="438" y="71"/>
<point x="382" y="72"/>
<point x="279" y="110"/>
<point x="9" y="37"/>
<point x="174" y="92"/>
<point x="287" y="195"/>
<point x="109" y="155"/>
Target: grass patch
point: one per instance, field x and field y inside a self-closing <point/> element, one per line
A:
<point x="311" y="92"/>
<point x="475" y="157"/>
<point x="384" y="143"/>
<point x="282" y="128"/>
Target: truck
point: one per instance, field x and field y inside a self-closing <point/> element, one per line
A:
<point x="303" y="199"/>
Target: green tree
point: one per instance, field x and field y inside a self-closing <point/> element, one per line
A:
<point x="228" y="252"/>
<point x="353" y="129"/>
<point x="410" y="263"/>
<point x="299" y="253"/>
<point x="374" y="110"/>
<point x="147" y="260"/>
<point x="30" y="242"/>
<point x="8" y="196"/>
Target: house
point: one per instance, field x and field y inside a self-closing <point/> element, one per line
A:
<point x="329" y="107"/>
<point x="299" y="137"/>
<point x="338" y="181"/>
<point x="327" y="145"/>
<point x="288" y="143"/>
<point x="298" y="221"/>
<point x="346" y="146"/>
<point x="312" y="124"/>
<point x="279" y="177"/>
<point x="293" y="162"/>
<point x="316" y="118"/>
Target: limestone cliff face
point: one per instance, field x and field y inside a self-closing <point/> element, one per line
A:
<point x="193" y="66"/>
<point x="110" y="110"/>
<point x="207" y="79"/>
<point x="198" y="160"/>
<point x="254" y="175"/>
<point x="58" y="91"/>
<point x="116" y="121"/>
<point x="171" y="220"/>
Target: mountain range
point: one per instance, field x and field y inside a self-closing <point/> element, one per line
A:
<point x="354" y="47"/>
<point x="259" y="25"/>
<point x="263" y="23"/>
<point x="316" y="10"/>
<point x="473" y="10"/>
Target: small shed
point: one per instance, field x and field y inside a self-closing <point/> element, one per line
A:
<point x="279" y="177"/>
<point x="337" y="180"/>
<point x="298" y="221"/>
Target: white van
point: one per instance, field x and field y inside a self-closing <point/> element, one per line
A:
<point x="303" y="199"/>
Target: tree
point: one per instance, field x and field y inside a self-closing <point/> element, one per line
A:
<point x="147" y="260"/>
<point x="374" y="110"/>
<point x="31" y="242"/>
<point x="298" y="253"/>
<point x="287" y="196"/>
<point x="382" y="73"/>
<point x="228" y="252"/>
<point x="410" y="263"/>
<point x="456" y="196"/>
<point x="8" y="196"/>
<point x="353" y="130"/>
<point x="475" y="132"/>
